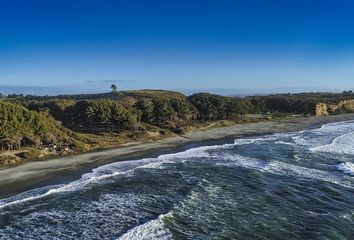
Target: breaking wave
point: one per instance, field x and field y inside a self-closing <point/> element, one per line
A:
<point x="346" y="167"/>
<point x="188" y="193"/>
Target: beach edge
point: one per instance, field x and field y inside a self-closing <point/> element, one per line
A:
<point x="26" y="176"/>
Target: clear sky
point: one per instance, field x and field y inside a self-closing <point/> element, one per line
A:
<point x="248" y="46"/>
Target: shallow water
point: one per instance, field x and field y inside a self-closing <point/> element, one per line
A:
<point x="283" y="186"/>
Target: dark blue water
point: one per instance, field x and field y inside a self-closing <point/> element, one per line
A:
<point x="283" y="186"/>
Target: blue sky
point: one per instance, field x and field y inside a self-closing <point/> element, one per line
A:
<point x="253" y="46"/>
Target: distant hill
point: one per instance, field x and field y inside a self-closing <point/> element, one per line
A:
<point x="137" y="94"/>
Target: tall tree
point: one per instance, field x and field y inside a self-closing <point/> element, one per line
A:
<point x="114" y="88"/>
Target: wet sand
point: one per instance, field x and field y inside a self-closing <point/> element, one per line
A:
<point x="41" y="173"/>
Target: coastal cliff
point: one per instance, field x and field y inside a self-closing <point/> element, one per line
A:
<point x="325" y="109"/>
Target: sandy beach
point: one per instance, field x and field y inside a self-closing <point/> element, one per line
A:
<point x="29" y="175"/>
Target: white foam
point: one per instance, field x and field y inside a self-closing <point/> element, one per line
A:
<point x="300" y="140"/>
<point x="277" y="138"/>
<point x="347" y="168"/>
<point x="97" y="175"/>
<point x="246" y="141"/>
<point x="73" y="186"/>
<point x="110" y="170"/>
<point x="190" y="153"/>
<point x="327" y="138"/>
<point x="124" y="210"/>
<point x="153" y="229"/>
<point x="285" y="169"/>
<point x="343" y="144"/>
<point x="337" y="126"/>
<point x="283" y="143"/>
<point x="156" y="229"/>
<point x="282" y="168"/>
<point x="242" y="161"/>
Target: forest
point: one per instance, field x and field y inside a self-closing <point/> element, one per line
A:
<point x="126" y="111"/>
<point x="70" y="121"/>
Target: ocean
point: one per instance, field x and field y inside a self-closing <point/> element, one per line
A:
<point x="296" y="185"/>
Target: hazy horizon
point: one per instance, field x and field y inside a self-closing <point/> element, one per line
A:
<point x="53" y="91"/>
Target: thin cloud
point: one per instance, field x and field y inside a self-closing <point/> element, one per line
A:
<point x="108" y="81"/>
<point x="116" y="81"/>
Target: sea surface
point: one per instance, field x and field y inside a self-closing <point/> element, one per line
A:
<point x="297" y="185"/>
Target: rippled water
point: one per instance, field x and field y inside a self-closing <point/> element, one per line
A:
<point x="284" y="186"/>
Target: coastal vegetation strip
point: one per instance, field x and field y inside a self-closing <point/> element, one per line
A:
<point x="36" y="127"/>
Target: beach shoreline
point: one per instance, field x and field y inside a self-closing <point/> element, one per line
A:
<point x="35" y="174"/>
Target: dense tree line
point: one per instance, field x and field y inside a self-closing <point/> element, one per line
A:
<point x="216" y="107"/>
<point x="21" y="127"/>
<point x="285" y="103"/>
<point x="166" y="113"/>
<point x="103" y="115"/>
<point x="157" y="109"/>
<point x="40" y="121"/>
<point x="111" y="115"/>
<point x="300" y="103"/>
<point x="170" y="110"/>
